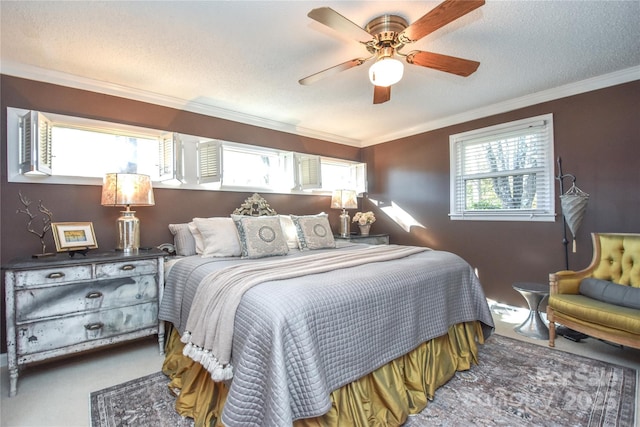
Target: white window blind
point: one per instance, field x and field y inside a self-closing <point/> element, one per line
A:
<point x="308" y="172"/>
<point x="209" y="162"/>
<point x="504" y="172"/>
<point x="35" y="144"/>
<point x="171" y="158"/>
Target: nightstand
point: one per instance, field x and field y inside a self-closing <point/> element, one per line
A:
<point x="64" y="305"/>
<point x="371" y="239"/>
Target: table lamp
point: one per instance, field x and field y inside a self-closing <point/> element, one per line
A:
<point x="127" y="189"/>
<point x="344" y="199"/>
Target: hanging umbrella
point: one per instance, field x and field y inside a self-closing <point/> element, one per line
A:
<point x="574" y="204"/>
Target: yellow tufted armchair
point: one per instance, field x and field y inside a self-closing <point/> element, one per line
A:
<point x="610" y="312"/>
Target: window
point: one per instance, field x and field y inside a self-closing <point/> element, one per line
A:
<point x="253" y="167"/>
<point x="117" y="153"/>
<point x="504" y="172"/>
<point x="58" y="149"/>
<point x="340" y="174"/>
<point x="62" y="149"/>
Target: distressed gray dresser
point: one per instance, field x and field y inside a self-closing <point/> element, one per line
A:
<point x="63" y="305"/>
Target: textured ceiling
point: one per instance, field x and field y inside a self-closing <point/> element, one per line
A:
<point x="242" y="59"/>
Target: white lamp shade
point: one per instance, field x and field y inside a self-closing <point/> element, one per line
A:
<point x="344" y="199"/>
<point x="127" y="189"/>
<point x="386" y="71"/>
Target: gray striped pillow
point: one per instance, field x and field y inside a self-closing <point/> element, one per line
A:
<point x="183" y="239"/>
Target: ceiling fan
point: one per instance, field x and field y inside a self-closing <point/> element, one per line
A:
<point x="386" y="35"/>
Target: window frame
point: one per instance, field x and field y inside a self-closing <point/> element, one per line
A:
<point x="545" y="188"/>
<point x="178" y="161"/>
<point x="15" y="169"/>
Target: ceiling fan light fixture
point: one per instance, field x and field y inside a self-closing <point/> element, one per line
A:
<point x="386" y="71"/>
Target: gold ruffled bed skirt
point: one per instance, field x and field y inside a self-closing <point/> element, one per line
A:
<point x="385" y="397"/>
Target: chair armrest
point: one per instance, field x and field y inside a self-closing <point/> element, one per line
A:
<point x="567" y="281"/>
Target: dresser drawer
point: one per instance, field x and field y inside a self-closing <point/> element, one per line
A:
<point x="126" y="268"/>
<point x="65" y="331"/>
<point x="35" y="304"/>
<point x="31" y="278"/>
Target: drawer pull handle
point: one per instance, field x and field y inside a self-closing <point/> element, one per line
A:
<point x="93" y="295"/>
<point x="94" y="326"/>
<point x="128" y="267"/>
<point x="56" y="275"/>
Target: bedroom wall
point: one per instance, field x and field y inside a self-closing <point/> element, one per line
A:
<point x="82" y="203"/>
<point x="597" y="135"/>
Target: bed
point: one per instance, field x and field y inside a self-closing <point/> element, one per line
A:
<point x="282" y="325"/>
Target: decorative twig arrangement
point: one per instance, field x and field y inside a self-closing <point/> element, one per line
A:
<point x="46" y="220"/>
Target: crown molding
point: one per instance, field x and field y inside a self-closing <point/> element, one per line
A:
<point x="107" y="88"/>
<point x="618" y="77"/>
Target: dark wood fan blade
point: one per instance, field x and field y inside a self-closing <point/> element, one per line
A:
<point x="448" y="64"/>
<point x="332" y="19"/>
<point x="332" y="70"/>
<point x="441" y="15"/>
<point x="381" y="94"/>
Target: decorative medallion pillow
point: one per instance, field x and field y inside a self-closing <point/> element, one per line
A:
<point x="260" y="236"/>
<point x="314" y="231"/>
<point x="219" y="236"/>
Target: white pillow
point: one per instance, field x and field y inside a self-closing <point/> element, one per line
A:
<point x="197" y="236"/>
<point x="219" y="237"/>
<point x="289" y="230"/>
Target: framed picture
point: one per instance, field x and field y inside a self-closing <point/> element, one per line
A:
<point x="73" y="236"/>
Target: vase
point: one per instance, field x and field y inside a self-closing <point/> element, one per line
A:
<point x="364" y="229"/>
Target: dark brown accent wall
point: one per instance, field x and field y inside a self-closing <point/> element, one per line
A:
<point x="82" y="203"/>
<point x="597" y="135"/>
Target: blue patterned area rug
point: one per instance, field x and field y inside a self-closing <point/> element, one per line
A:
<point x="515" y="384"/>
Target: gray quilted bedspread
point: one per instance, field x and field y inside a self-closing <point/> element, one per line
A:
<point x="297" y="340"/>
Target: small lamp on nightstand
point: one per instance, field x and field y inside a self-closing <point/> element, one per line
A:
<point x="344" y="199"/>
<point x="127" y="189"/>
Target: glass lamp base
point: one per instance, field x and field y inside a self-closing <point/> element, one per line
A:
<point x="344" y="224"/>
<point x="128" y="232"/>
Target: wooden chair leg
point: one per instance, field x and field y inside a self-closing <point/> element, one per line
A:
<point x="552" y="329"/>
